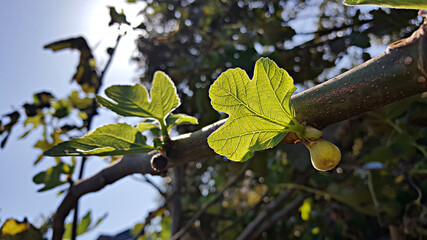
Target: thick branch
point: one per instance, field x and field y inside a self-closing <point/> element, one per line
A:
<point x="175" y="204"/>
<point x="398" y="73"/>
<point x="127" y="166"/>
<point x="218" y="195"/>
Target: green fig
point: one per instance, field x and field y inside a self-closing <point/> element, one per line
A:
<point x="324" y="154"/>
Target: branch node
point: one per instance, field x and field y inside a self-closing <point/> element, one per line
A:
<point x="159" y="163"/>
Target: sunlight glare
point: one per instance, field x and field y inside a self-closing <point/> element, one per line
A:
<point x="101" y="36"/>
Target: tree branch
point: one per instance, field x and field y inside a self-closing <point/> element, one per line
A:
<point x="151" y="215"/>
<point x="272" y="220"/>
<point x="175" y="204"/>
<point x="398" y="73"/>
<point x="261" y="217"/>
<point x="218" y="195"/>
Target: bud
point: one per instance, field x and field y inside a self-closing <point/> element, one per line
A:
<point x="312" y="133"/>
<point x="324" y="154"/>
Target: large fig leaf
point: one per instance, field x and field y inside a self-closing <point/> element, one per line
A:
<point x="260" y="112"/>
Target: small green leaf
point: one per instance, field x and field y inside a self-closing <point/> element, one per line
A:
<point x="133" y="100"/>
<point x="260" y="111"/>
<point x="51" y="178"/>
<point x="62" y="108"/>
<point x="108" y="140"/>
<point x="177" y="119"/>
<point x="83" y="226"/>
<point x="116" y="17"/>
<point x="80" y="103"/>
<point x="158" y="142"/>
<point x="16" y="230"/>
<point x="407" y="4"/>
<point x="144" y="126"/>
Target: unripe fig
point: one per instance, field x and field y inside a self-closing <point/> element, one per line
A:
<point x="324" y="154"/>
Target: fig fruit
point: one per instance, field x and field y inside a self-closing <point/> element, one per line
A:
<point x="324" y="154"/>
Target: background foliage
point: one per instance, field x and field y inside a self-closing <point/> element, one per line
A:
<point x="375" y="192"/>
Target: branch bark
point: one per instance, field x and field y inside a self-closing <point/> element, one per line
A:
<point x="218" y="195"/>
<point x="398" y="73"/>
<point x="175" y="205"/>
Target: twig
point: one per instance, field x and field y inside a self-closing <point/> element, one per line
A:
<point x="272" y="220"/>
<point x="107" y="65"/>
<point x="374" y="197"/>
<point x="327" y="195"/>
<point x="93" y="112"/>
<point x="251" y="211"/>
<point x="262" y="216"/>
<point x="187" y="226"/>
<point x="148" y="219"/>
<point x="175" y="204"/>
<point x="153" y="184"/>
<point x="154" y="213"/>
<point x="419" y="192"/>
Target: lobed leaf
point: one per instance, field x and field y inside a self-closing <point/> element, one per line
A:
<point x="260" y="112"/>
<point x="86" y="75"/>
<point x="407" y="4"/>
<point x="133" y="100"/>
<point x="108" y="140"/>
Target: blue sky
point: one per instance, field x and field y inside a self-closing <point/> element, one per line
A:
<point x="26" y="68"/>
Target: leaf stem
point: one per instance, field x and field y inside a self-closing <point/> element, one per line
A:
<point x="298" y="128"/>
<point x="164" y="128"/>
